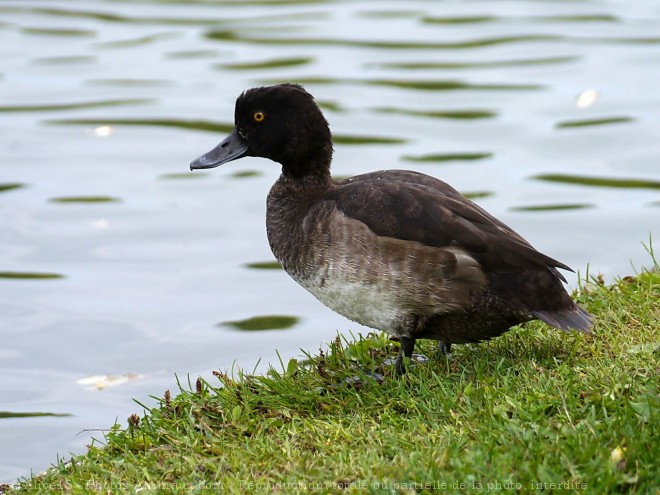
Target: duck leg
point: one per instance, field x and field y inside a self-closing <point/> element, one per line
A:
<point x="444" y="348"/>
<point x="406" y="350"/>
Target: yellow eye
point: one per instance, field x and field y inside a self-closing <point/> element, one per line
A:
<point x="259" y="116"/>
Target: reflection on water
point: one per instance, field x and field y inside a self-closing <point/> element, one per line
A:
<point x="66" y="60"/>
<point x="183" y="176"/>
<point x="422" y="85"/>
<point x="598" y="121"/>
<point x="74" y="106"/>
<point x="528" y="19"/>
<point x="274" y="63"/>
<point x="9" y="414"/>
<point x="57" y="32"/>
<point x="264" y="265"/>
<point x="446" y="157"/>
<point x="269" y="322"/>
<point x="477" y="194"/>
<point x="441" y="114"/>
<point x="85" y="199"/>
<point x="479" y="64"/>
<point x="190" y="54"/>
<point x="10" y="187"/>
<point x="355" y="139"/>
<point x="542" y="112"/>
<point x="451" y="85"/>
<point x="600" y="181"/>
<point x="244" y="174"/>
<point x="555" y="207"/>
<point x="128" y="82"/>
<point x="198" y="125"/>
<point x="29" y="275"/>
<point x="230" y="35"/>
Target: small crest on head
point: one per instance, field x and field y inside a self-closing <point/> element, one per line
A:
<point x="279" y="95"/>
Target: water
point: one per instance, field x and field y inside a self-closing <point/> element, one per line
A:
<point x="118" y="261"/>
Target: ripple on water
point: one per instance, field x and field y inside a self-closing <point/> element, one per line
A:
<point x="10" y="414"/>
<point x="56" y="107"/>
<point x="596" y="17"/>
<point x="65" y="60"/>
<point x="114" y="18"/>
<point x="599" y="181"/>
<point x="447" y="157"/>
<point x="553" y="207"/>
<point x="264" y="265"/>
<point x="478" y="194"/>
<point x="58" y="12"/>
<point x="267" y="322"/>
<point x="482" y="19"/>
<point x="225" y="35"/>
<point x="194" y="125"/>
<point x="129" y="82"/>
<point x="188" y="54"/>
<point x="461" y="114"/>
<point x="450" y="85"/>
<point x="414" y="84"/>
<point x="354" y="139"/>
<point x="183" y="176"/>
<point x="594" y="122"/>
<point x="85" y="199"/>
<point x="139" y="41"/>
<point x="11" y="186"/>
<point x="245" y="174"/>
<point x="40" y="31"/>
<point x="232" y="35"/>
<point x="469" y="19"/>
<point x="11" y="275"/>
<point x="384" y="14"/>
<point x="519" y="62"/>
<point x="333" y="106"/>
<point x="274" y="63"/>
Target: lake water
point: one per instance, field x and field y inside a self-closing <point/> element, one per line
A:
<point x="117" y="262"/>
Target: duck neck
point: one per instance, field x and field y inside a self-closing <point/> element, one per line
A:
<point x="309" y="173"/>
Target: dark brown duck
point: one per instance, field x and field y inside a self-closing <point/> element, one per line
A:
<point x="394" y="250"/>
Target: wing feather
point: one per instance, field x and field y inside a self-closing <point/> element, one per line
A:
<point x="407" y="205"/>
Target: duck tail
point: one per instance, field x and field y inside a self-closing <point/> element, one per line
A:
<point x="574" y="318"/>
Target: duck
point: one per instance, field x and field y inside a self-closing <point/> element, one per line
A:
<point x="394" y="250"/>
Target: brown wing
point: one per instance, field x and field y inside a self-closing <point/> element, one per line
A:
<point x="411" y="206"/>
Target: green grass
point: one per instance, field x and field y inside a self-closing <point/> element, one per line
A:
<point x="533" y="408"/>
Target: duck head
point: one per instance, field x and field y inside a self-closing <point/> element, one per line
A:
<point x="282" y="123"/>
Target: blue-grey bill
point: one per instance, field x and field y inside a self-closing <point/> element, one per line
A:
<point x="231" y="148"/>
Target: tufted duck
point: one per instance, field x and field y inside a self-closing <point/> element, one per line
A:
<point x="394" y="250"/>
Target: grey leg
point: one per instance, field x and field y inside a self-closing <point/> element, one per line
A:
<point x="445" y="349"/>
<point x="406" y="350"/>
